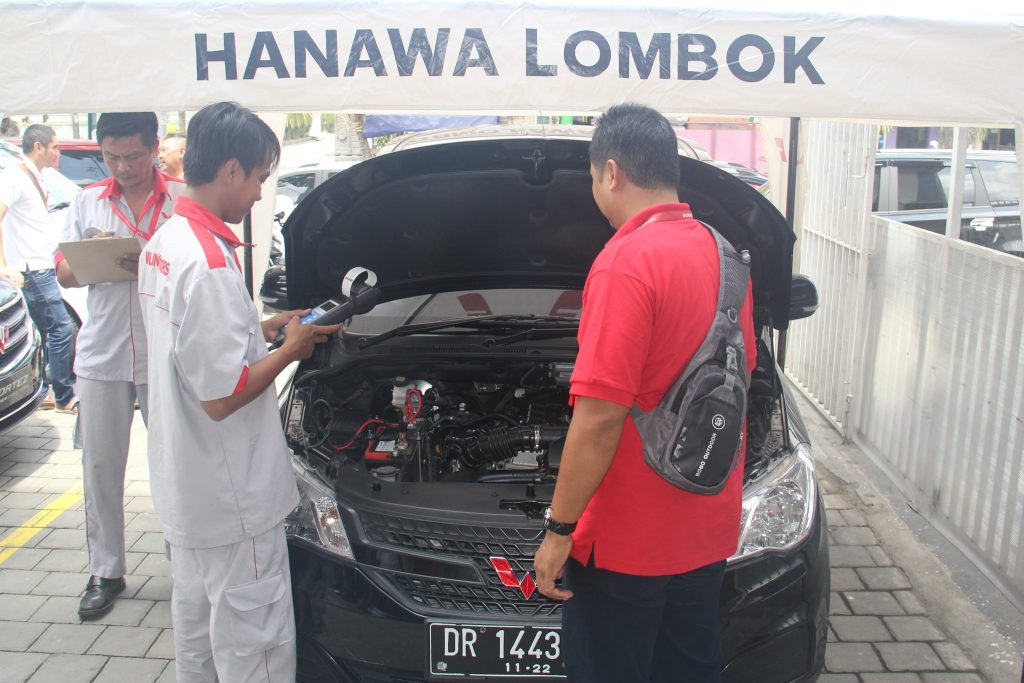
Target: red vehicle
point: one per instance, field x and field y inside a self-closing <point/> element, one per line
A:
<point x="82" y="161"/>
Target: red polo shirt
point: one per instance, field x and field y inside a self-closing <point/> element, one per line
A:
<point x="647" y="306"/>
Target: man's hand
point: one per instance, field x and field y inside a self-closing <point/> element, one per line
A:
<point x="299" y="339"/>
<point x="271" y="326"/>
<point x="129" y="262"/>
<point x="12" y="276"/>
<point x="549" y="563"/>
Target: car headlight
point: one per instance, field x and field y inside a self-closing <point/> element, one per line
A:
<point x="778" y="509"/>
<point x="317" y="519"/>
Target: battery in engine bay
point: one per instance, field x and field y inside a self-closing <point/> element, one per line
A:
<point x="385" y="444"/>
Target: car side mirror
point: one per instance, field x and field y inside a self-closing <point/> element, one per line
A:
<point x="803" y="298"/>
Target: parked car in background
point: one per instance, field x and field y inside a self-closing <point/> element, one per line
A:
<point x="21" y="358"/>
<point x="912" y="186"/>
<point x="426" y="438"/>
<point x="82" y="161"/>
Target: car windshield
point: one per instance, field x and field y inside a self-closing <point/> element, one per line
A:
<point x="563" y="303"/>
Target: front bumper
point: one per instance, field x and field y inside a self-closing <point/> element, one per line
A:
<point x="773" y="616"/>
<point x="21" y="383"/>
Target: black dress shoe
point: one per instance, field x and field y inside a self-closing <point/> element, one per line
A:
<point x="99" y="596"/>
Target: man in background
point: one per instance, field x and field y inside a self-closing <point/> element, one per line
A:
<point x="110" y="360"/>
<point x="28" y="240"/>
<point x="172" y="155"/>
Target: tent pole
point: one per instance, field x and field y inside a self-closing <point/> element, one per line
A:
<point x="794" y="148"/>
<point x="247" y="253"/>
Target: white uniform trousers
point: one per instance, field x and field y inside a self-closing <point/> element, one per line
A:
<point x="231" y="609"/>
<point x="105" y="414"/>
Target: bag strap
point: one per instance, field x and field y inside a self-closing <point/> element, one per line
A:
<point x="39" y="189"/>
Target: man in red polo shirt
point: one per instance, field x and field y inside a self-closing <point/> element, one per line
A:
<point x="643" y="560"/>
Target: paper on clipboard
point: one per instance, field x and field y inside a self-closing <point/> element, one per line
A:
<point x="94" y="261"/>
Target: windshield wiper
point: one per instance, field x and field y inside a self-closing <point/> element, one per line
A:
<point x="479" y="322"/>
<point x="542" y="333"/>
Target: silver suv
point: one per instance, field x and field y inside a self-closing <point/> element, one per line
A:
<point x="912" y="186"/>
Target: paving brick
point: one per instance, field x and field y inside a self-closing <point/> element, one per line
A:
<point x="145" y="521"/>
<point x="836" y="604"/>
<point x="159" y="616"/>
<point x="909" y="657"/>
<point x="16" y="636"/>
<point x="150" y="542"/>
<point x="880" y="557"/>
<point x="953" y="657"/>
<point x="134" y="669"/>
<point x="26" y="484"/>
<point x="845" y="579"/>
<point x="19" y="607"/>
<point x="909" y="602"/>
<point x="854" y="535"/>
<point x="26" y="501"/>
<point x="68" y="669"/>
<point x="64" y="560"/>
<point x="132" y="560"/>
<point x="835" y="501"/>
<point x="952" y="678"/>
<point x="163" y="646"/>
<point x="853" y="518"/>
<point x="154" y="565"/>
<point x="25" y="558"/>
<point x="4" y="481"/>
<point x="66" y="639"/>
<point x="58" y="610"/>
<point x="19" y="581"/>
<point x="69" y="519"/>
<point x="859" y="629"/>
<point x="851" y="658"/>
<point x="156" y="588"/>
<point x="169" y="675"/>
<point x="16" y="667"/>
<point x="62" y="583"/>
<point x="137" y="488"/>
<point x="830" y="635"/>
<point x="884" y="578"/>
<point x="914" y="628"/>
<point x="125" y="641"/>
<point x="16" y="517"/>
<point x="126" y="612"/>
<point x="55" y="486"/>
<point x="850" y="556"/>
<point x="838" y="678"/>
<point x="63" y="457"/>
<point x="35" y="442"/>
<point x="70" y="539"/>
<point x="24" y="429"/>
<point x="67" y="471"/>
<point x="873" y="603"/>
<point x="891" y="678"/>
<point x="139" y="504"/>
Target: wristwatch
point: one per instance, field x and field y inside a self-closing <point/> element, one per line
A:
<point x="556" y="527"/>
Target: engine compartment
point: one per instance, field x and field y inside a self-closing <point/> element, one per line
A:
<point x="473" y="421"/>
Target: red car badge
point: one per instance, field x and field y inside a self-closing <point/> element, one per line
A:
<point x="509" y="578"/>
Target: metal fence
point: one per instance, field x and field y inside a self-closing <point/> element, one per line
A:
<point x="916" y="354"/>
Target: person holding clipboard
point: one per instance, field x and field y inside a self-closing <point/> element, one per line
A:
<point x="110" y="361"/>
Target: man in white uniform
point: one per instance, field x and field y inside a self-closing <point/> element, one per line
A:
<point x="28" y="241"/>
<point x="222" y="483"/>
<point x="110" y="359"/>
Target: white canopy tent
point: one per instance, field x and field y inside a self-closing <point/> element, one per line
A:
<point x="866" y="60"/>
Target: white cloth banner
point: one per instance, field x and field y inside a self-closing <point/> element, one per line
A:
<point x="512" y="57"/>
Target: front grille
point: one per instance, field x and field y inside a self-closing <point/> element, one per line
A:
<point x="15" y="331"/>
<point x="476" y="543"/>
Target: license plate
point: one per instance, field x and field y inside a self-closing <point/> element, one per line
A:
<point x="489" y="650"/>
<point x="17" y="387"/>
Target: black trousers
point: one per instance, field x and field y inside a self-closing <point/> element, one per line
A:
<point x="620" y="628"/>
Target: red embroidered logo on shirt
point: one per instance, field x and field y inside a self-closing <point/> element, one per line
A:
<point x="158" y="262"/>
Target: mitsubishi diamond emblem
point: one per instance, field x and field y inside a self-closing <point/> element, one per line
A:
<point x="509" y="578"/>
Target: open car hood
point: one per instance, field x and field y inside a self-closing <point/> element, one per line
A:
<point x="466" y="210"/>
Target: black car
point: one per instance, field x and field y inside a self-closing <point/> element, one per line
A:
<point x="21" y="380"/>
<point x="426" y="438"/>
<point x="912" y="186"/>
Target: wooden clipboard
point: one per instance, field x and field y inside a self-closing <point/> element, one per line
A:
<point x="94" y="261"/>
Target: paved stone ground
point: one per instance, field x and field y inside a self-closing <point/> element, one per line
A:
<point x="880" y="630"/>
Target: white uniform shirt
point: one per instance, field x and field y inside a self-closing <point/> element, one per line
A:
<point x="30" y="237"/>
<point x="214" y="483"/>
<point x="112" y="344"/>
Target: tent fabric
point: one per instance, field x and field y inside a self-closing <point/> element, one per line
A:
<point x="952" y="65"/>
